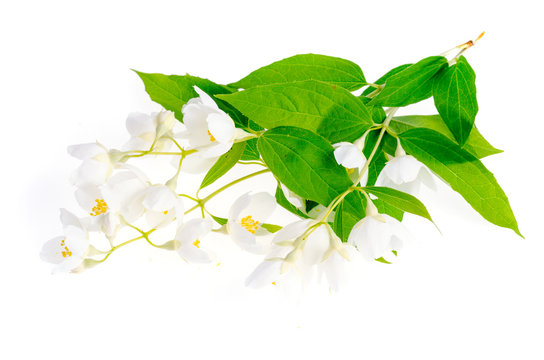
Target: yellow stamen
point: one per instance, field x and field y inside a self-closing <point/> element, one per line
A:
<point x="165" y="212"/>
<point x="196" y="243"/>
<point x="249" y="224"/>
<point x="350" y="171"/>
<point x="212" y="139"/>
<point x="65" y="251"/>
<point x="100" y="208"/>
<point x="273" y="283"/>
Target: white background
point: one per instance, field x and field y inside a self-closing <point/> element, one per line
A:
<point x="473" y="293"/>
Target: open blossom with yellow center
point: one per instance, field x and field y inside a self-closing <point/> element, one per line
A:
<point x="209" y="129"/>
<point x="191" y="248"/>
<point x="246" y="217"/>
<point x="104" y="203"/>
<point x="67" y="252"/>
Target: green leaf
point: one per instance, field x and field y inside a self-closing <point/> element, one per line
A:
<point x="304" y="162"/>
<point x="329" y="69"/>
<point x="268" y="227"/>
<point x="378" y="114"/>
<point x="400" y="200"/>
<point x="221" y="221"/>
<point x="281" y="199"/>
<point x="223" y="164"/>
<point x="386" y="208"/>
<point x="350" y="210"/>
<point x="250" y="151"/>
<point x="454" y="94"/>
<point x="382" y="80"/>
<point x="382" y="260"/>
<point x="464" y="172"/>
<point x="411" y="85"/>
<point x="476" y="144"/>
<point x="271" y="227"/>
<point x="328" y="110"/>
<point x="173" y="91"/>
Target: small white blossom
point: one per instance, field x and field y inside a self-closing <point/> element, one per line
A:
<point x="405" y="173"/>
<point x="297" y="253"/>
<point x="190" y="237"/>
<point x="156" y="129"/>
<point x="67" y="252"/>
<point x="105" y="203"/>
<point x="352" y="158"/>
<point x="97" y="163"/>
<point x="246" y="217"/>
<point x="159" y="203"/>
<point x="377" y="235"/>
<point x="210" y="130"/>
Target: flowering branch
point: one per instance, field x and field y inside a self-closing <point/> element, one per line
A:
<point x="346" y="166"/>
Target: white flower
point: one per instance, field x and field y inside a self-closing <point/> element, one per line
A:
<point x="159" y="203"/>
<point x="246" y="217"/>
<point x="210" y="130"/>
<point x="146" y="130"/>
<point x="377" y="235"/>
<point x="190" y="236"/>
<point x="297" y="253"/>
<point x="97" y="165"/>
<point x="352" y="158"/>
<point x="105" y="203"/>
<point x="67" y="252"/>
<point x="405" y="173"/>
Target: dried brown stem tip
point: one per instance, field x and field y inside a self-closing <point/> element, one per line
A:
<point x="470" y="42"/>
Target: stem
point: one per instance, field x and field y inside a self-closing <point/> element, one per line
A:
<point x="204" y="200"/>
<point x="375" y="92"/>
<point x="339" y="198"/>
<point x="145" y="235"/>
<point x="385" y="124"/>
<point x="189" y="197"/>
<point x="117" y="247"/>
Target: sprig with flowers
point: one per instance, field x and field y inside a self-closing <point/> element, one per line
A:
<point x="346" y="166"/>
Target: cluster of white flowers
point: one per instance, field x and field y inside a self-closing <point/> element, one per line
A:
<point x="115" y="194"/>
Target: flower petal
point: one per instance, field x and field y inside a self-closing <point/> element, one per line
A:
<point x="85" y="151"/>
<point x="349" y="155"/>
<point x="139" y="123"/>
<point x="239" y="205"/>
<point x="316" y="245"/>
<point x="159" y="198"/>
<point x="265" y="273"/>
<point x="221" y="127"/>
<point x="260" y="207"/>
<point x="205" y="98"/>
